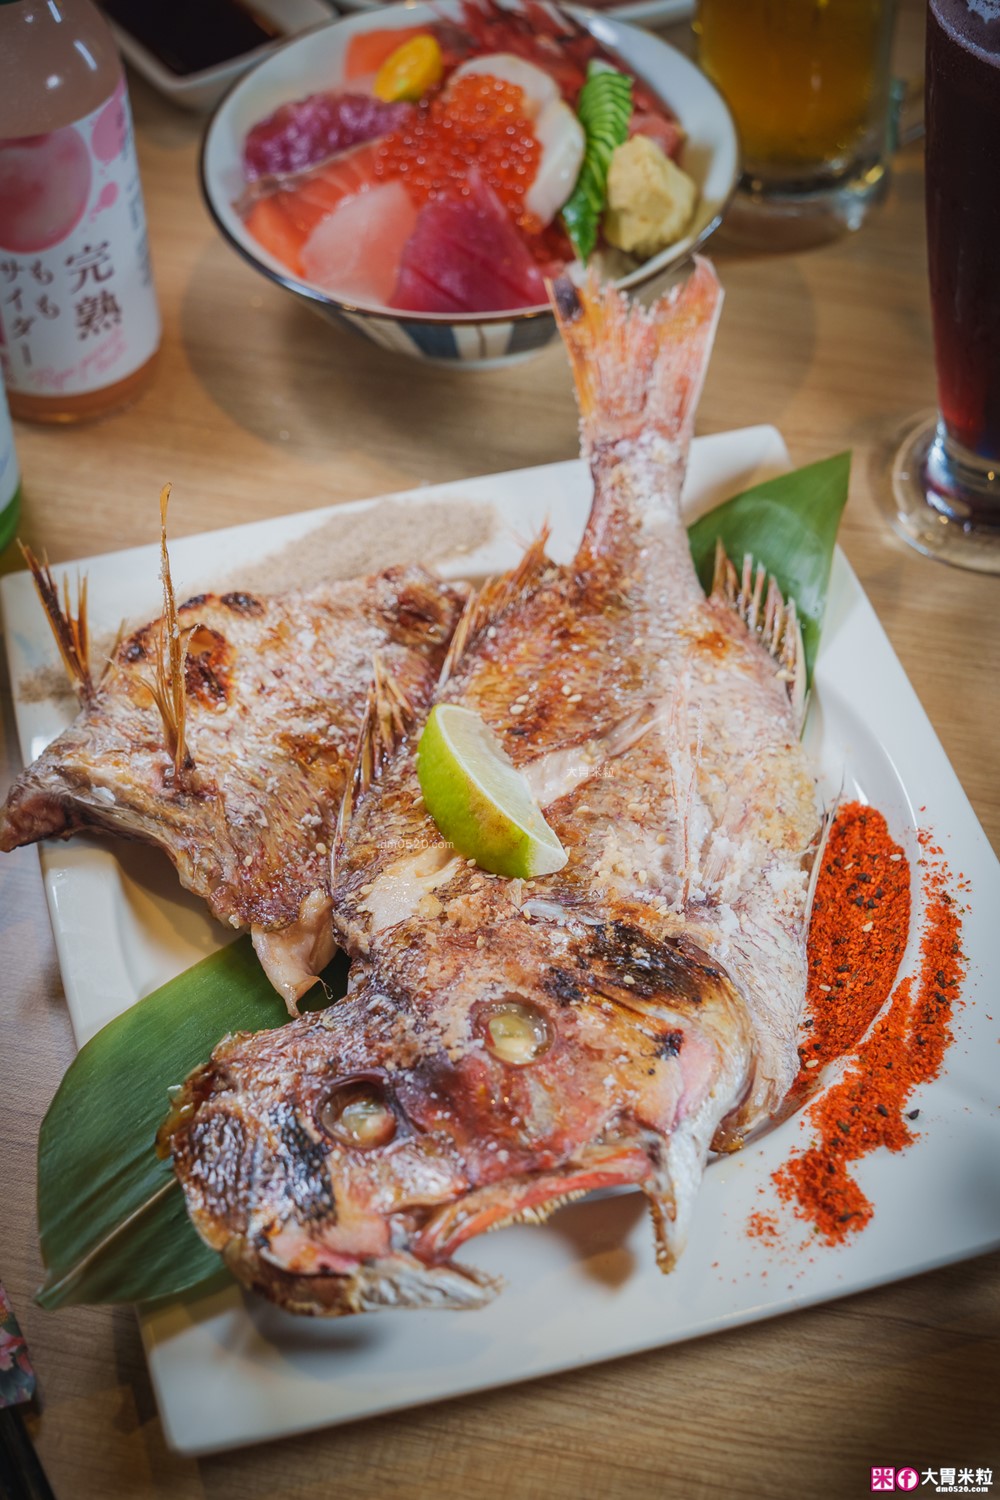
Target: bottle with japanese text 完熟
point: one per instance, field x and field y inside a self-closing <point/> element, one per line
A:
<point x="10" y="478"/>
<point x="79" y="322"/>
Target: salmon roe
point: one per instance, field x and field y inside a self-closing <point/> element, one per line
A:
<point x="482" y="123"/>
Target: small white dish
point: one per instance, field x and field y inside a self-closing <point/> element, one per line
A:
<point x="652" y="12"/>
<point x="201" y="91"/>
<point x="642" y="12"/>
<point x="230" y="1369"/>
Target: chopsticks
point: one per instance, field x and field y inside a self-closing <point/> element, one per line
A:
<point x="21" y="1474"/>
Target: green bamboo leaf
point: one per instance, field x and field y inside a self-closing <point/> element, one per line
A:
<point x="112" y="1220"/>
<point x="604" y="109"/>
<point x="789" y="525"/>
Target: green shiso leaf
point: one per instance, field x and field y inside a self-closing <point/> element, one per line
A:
<point x="789" y="526"/>
<point x="604" y="109"/>
<point x="112" y="1220"/>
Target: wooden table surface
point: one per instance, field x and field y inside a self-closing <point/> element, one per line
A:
<point x="258" y="407"/>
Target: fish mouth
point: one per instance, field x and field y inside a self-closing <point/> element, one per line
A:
<point x="527" y="1200"/>
<point x="421" y="1273"/>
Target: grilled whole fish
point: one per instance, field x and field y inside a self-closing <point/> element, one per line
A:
<point x="507" y="1044"/>
<point x="273" y="692"/>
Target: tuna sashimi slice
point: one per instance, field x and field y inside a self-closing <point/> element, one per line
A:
<point x="306" y="131"/>
<point x="355" y="252"/>
<point x="465" y="255"/>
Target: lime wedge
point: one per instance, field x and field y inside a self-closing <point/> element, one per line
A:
<point x="479" y="800"/>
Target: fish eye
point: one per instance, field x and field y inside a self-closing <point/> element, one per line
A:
<point x="357" y="1113"/>
<point x="516" y="1031"/>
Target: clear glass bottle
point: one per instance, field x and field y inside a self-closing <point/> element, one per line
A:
<point x="79" y="323"/>
<point x="10" y="478"/>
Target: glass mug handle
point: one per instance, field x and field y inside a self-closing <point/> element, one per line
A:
<point x="905" y="123"/>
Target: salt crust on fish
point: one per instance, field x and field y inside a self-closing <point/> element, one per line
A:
<point x="506" y="1045"/>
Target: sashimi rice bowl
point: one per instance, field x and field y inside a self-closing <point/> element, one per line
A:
<point x="421" y="172"/>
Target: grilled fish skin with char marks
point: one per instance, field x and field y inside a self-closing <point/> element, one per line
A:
<point x="274" y="692"/>
<point x="505" y="1045"/>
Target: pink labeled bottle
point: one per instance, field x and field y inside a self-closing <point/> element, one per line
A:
<point x="79" y="322"/>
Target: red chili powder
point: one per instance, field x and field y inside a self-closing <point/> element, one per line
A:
<point x="762" y="1226"/>
<point x="867" y="1108"/>
<point x="857" y="934"/>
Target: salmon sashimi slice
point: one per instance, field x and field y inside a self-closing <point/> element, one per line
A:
<point x="504" y="1044"/>
<point x="368" y="50"/>
<point x="282" y="218"/>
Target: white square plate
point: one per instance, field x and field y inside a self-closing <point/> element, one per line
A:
<point x="230" y="1369"/>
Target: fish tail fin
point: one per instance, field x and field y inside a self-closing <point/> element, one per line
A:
<point x="637" y="370"/>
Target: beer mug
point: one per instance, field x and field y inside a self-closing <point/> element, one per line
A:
<point x="946" y="478"/>
<point x="809" y="86"/>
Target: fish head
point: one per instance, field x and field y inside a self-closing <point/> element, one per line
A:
<point x="340" y="1162"/>
<point x="301" y="1167"/>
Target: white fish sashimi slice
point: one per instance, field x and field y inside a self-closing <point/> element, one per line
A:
<point x="356" y="251"/>
<point x="540" y="88"/>
<point x="561" y="138"/>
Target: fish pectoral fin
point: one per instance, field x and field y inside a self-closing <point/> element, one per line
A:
<point x="663" y="1212"/>
<point x="293" y="957"/>
<point x="826" y="823"/>
<point x="33" y="812"/>
<point x="769" y="616"/>
<point x="402" y="1281"/>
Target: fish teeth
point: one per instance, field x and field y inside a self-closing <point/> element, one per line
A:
<point x="541" y="1213"/>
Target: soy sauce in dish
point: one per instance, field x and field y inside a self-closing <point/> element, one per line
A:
<point x="188" y="36"/>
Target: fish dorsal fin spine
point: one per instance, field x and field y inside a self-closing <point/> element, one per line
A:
<point x="771" y="618"/>
<point x="387" y="718"/>
<point x="485" y="607"/>
<point x="68" y="628"/>
<point x="167" y="688"/>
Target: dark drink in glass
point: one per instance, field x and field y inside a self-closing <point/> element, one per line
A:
<point x="947" y="480"/>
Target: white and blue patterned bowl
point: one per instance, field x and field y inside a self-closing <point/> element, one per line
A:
<point x="314" y="61"/>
